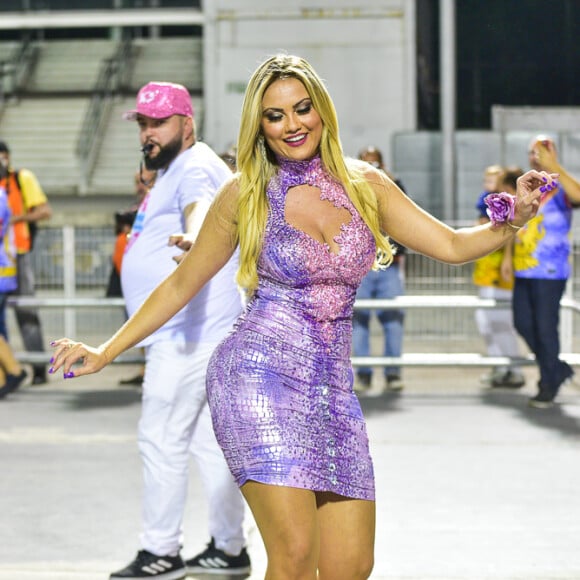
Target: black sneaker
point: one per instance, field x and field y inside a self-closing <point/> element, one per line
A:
<point x="363" y="382"/>
<point x="509" y="380"/>
<point x="39" y="376"/>
<point x="148" y="565"/>
<point x="12" y="383"/>
<point x="135" y="381"/>
<point x="214" y="561"/>
<point x="543" y="400"/>
<point x="394" y="383"/>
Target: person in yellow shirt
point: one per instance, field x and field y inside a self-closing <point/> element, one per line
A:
<point x="29" y="205"/>
<point x="493" y="275"/>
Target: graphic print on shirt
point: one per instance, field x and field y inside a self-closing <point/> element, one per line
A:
<point x="542" y="246"/>
<point x="138" y="223"/>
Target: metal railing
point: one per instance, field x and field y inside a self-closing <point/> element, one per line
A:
<point x="460" y="359"/>
<point x="113" y="77"/>
<point x="72" y="266"/>
<point x="15" y="72"/>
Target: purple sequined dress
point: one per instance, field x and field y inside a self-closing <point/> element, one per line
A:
<point x="280" y="386"/>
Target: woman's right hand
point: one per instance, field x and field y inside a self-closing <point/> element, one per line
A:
<point x="68" y="352"/>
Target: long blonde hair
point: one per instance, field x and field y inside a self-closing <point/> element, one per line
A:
<point x="257" y="164"/>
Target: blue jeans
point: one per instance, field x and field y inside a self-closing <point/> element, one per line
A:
<point x="3" y="327"/>
<point x="536" y="308"/>
<point x="387" y="283"/>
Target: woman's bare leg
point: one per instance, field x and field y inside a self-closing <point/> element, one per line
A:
<point x="288" y="522"/>
<point x="347" y="537"/>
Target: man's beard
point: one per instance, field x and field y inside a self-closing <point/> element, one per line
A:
<point x="166" y="155"/>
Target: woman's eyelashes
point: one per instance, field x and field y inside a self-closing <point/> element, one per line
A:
<point x="275" y="117"/>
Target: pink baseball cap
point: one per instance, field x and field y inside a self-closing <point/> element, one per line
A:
<point x="161" y="100"/>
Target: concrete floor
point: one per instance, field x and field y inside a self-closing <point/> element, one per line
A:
<point x="472" y="484"/>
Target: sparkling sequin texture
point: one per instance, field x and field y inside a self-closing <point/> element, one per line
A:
<point x="280" y="386"/>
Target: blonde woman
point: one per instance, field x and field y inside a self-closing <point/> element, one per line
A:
<point x="308" y="224"/>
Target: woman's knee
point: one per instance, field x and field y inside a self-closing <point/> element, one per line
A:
<point x="295" y="553"/>
<point x="357" y="567"/>
<point x="365" y="566"/>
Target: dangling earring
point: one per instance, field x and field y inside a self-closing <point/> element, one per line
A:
<point x="262" y="146"/>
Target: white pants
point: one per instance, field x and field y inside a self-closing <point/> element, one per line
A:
<point x="496" y="325"/>
<point x="175" y="421"/>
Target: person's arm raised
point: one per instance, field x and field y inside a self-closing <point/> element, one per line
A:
<point x="213" y="247"/>
<point x="548" y="158"/>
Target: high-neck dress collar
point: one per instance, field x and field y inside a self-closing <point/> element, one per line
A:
<point x="294" y="172"/>
<point x="294" y="165"/>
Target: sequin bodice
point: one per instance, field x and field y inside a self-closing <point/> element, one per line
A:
<point x="303" y="272"/>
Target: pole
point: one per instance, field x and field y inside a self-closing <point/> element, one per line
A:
<point x="448" y="78"/>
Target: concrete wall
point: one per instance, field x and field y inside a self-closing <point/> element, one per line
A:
<point x="364" y="51"/>
<point x="417" y="162"/>
<point x="539" y="119"/>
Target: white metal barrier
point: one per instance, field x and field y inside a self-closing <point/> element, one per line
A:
<point x="460" y="359"/>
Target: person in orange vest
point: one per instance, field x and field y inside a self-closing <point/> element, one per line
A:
<point x="29" y="205"/>
<point x="12" y="375"/>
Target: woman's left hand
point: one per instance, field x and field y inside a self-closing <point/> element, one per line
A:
<point x="532" y="186"/>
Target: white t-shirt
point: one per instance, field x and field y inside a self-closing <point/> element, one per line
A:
<point x="194" y="176"/>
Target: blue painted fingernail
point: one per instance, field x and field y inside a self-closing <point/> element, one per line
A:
<point x="50" y="370"/>
<point x="544" y="188"/>
<point x="69" y="375"/>
<point x="545" y="179"/>
<point x="52" y="343"/>
<point x="51" y="360"/>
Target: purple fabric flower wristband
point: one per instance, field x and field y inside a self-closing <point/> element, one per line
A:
<point x="500" y="207"/>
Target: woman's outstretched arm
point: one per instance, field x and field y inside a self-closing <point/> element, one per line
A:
<point x="415" y="228"/>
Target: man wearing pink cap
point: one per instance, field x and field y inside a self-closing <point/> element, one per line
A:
<point x="175" y="419"/>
